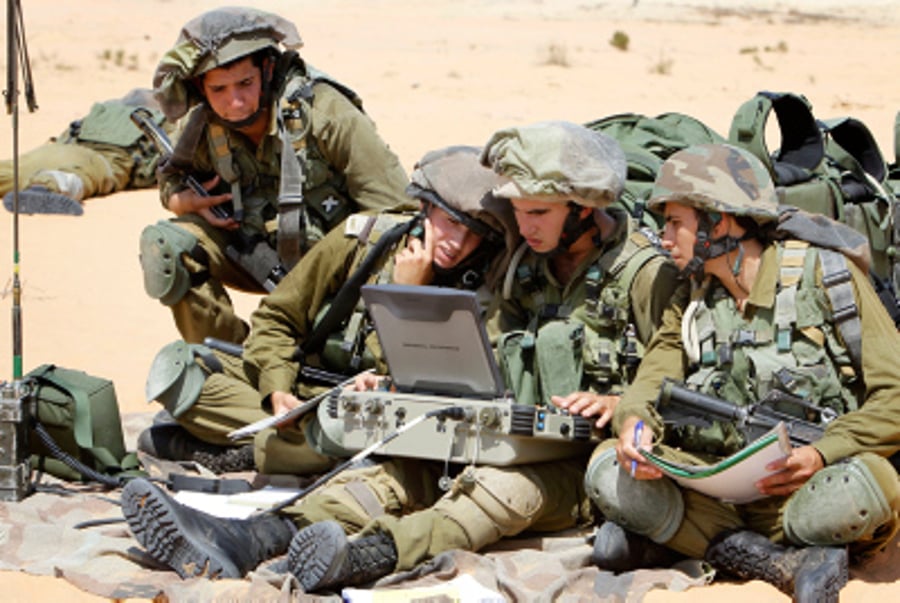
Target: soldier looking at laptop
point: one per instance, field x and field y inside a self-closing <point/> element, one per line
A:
<point x="401" y="515"/>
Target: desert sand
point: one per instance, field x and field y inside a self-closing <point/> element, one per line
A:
<point x="431" y="74"/>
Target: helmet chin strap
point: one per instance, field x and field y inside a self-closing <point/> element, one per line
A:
<point x="573" y="228"/>
<point x="706" y="249"/>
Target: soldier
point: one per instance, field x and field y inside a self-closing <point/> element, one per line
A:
<point x="401" y="515"/>
<point x="453" y="242"/>
<point x="765" y="314"/>
<point x="99" y="154"/>
<point x="285" y="148"/>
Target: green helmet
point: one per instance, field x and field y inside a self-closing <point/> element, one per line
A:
<point x="454" y="179"/>
<point x="716" y="178"/>
<point x="557" y="161"/>
<point x="213" y="39"/>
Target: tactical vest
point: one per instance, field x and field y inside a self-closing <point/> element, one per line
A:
<point x="350" y="350"/>
<point x="586" y="342"/>
<point x="109" y="124"/>
<point x="801" y="345"/>
<point x="315" y="190"/>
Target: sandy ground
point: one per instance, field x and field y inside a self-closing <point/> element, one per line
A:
<point x="431" y="74"/>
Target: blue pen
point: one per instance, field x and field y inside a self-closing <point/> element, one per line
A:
<point x="638" y="430"/>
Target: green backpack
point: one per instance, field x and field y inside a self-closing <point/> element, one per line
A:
<point x="832" y="167"/>
<point x="647" y="143"/>
<point x="77" y="419"/>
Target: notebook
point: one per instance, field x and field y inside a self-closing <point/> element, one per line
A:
<point x="434" y="340"/>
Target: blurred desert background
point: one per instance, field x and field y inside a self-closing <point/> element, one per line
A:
<point x="431" y="74"/>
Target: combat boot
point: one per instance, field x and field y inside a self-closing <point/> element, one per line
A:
<point x="194" y="543"/>
<point x="811" y="574"/>
<point x="41" y="200"/>
<point x="321" y="556"/>
<point x="618" y="550"/>
<point x="172" y="442"/>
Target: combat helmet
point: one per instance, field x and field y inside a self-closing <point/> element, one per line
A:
<point x="213" y="39"/>
<point x="453" y="179"/>
<point x="558" y="162"/>
<point x="717" y="178"/>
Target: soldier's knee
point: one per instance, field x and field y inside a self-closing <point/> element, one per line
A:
<point x="175" y="379"/>
<point x="843" y="503"/>
<point x="654" y="508"/>
<point x="162" y="247"/>
<point x="493" y="502"/>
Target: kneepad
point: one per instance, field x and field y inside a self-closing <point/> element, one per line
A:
<point x="842" y="503"/>
<point x="175" y="378"/>
<point x="653" y="508"/>
<point x="166" y="278"/>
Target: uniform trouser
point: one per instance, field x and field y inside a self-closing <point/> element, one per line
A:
<point x="484" y="504"/>
<point x="706" y="517"/>
<point x="206" y="309"/>
<point x="228" y="402"/>
<point x="101" y="173"/>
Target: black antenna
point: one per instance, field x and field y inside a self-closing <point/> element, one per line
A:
<point x="16" y="54"/>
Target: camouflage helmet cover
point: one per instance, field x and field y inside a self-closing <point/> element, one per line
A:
<point x="557" y="161"/>
<point x="716" y="178"/>
<point x="215" y="38"/>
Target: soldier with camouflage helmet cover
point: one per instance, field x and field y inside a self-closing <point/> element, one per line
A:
<point x="457" y="241"/>
<point x="769" y="310"/>
<point x="286" y="147"/>
<point x="556" y="163"/>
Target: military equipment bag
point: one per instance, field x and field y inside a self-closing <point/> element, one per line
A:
<point x="80" y="413"/>
<point x="647" y="143"/>
<point x="832" y="167"/>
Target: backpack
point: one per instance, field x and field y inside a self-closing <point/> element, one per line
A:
<point x="647" y="142"/>
<point x="832" y="167"/>
<point x="77" y="432"/>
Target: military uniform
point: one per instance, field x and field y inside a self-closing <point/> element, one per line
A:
<point x="342" y="166"/>
<point x="607" y="310"/>
<point x="805" y="322"/>
<point x="825" y="370"/>
<point x="99" y="154"/>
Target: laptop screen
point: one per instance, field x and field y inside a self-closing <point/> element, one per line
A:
<point x="434" y="340"/>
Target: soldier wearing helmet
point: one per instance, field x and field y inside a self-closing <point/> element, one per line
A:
<point x="283" y="152"/>
<point x="771" y="309"/>
<point x="455" y="241"/>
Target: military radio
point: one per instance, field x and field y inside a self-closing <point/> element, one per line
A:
<point x="459" y="430"/>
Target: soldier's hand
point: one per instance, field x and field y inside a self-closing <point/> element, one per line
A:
<point x="413" y="265"/>
<point x="588" y="404"/>
<point x="368" y="381"/>
<point x="791" y="471"/>
<point x="188" y="201"/>
<point x="627" y="452"/>
<point x="283" y="402"/>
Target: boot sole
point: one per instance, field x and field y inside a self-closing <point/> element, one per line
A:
<point x="316" y="553"/>
<point x="156" y="525"/>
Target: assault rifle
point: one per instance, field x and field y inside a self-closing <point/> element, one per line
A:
<point x="683" y="406"/>
<point x="256" y="257"/>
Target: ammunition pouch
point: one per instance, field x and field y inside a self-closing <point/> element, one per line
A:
<point x="166" y="278"/>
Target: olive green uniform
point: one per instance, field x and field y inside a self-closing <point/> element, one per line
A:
<point x="239" y="394"/>
<point x="868" y="433"/>
<point x="100" y="154"/>
<point x="485" y="504"/>
<point x="345" y="167"/>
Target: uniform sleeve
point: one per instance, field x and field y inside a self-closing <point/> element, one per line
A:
<point x="286" y="315"/>
<point x="875" y="426"/>
<point x="664" y="358"/>
<point x="655" y="287"/>
<point x="349" y="142"/>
